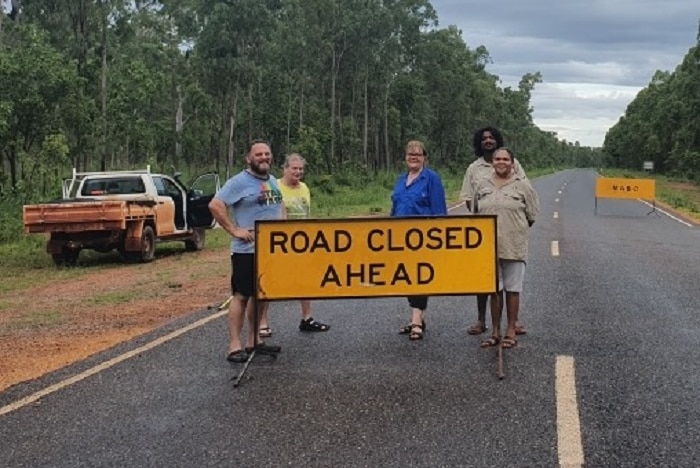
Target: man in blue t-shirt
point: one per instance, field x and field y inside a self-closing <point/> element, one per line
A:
<point x="253" y="195"/>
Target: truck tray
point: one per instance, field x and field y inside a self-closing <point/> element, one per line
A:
<point x="77" y="216"/>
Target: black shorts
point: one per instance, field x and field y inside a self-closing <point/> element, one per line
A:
<point x="243" y="274"/>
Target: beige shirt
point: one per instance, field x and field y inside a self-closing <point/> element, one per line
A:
<point x="516" y="205"/>
<point x="478" y="171"/>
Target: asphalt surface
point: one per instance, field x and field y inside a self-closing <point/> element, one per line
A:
<point x="620" y="299"/>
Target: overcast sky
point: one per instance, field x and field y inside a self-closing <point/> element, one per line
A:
<point x="594" y="55"/>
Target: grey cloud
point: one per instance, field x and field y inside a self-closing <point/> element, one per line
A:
<point x="641" y="36"/>
<point x="594" y="55"/>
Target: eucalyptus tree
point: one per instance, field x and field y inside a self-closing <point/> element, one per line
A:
<point x="39" y="85"/>
<point x="228" y="48"/>
<point x="661" y="124"/>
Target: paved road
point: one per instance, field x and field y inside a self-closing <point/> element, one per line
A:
<point x="618" y="305"/>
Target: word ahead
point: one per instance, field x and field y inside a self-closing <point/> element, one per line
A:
<point x="369" y="257"/>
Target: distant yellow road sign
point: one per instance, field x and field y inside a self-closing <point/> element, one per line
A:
<point x="373" y="257"/>
<point x="625" y="188"/>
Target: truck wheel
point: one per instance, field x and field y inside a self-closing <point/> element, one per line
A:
<point x="148" y="244"/>
<point x="148" y="248"/>
<point x="68" y="257"/>
<point x="196" y="242"/>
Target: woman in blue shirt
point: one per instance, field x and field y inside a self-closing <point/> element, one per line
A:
<point x="418" y="192"/>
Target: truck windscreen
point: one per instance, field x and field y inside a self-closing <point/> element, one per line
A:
<point x="113" y="186"/>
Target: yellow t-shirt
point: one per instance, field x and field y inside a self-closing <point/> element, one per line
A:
<point x="297" y="200"/>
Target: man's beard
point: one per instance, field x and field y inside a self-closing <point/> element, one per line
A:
<point x="488" y="152"/>
<point x="257" y="170"/>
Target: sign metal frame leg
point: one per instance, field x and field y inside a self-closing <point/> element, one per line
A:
<point x="499" y="354"/>
<point x="653" y="208"/>
<point x="256" y="341"/>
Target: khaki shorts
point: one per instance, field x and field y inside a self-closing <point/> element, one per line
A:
<point x="511" y="274"/>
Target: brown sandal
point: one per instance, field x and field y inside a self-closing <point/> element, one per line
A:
<point x="491" y="342"/>
<point x="509" y="342"/>
<point x="406" y="329"/>
<point x="477" y="329"/>
<point x="416" y="332"/>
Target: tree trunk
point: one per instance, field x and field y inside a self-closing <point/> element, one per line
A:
<point x="232" y="133"/>
<point x="377" y="154"/>
<point x="301" y="107"/>
<point x="78" y="12"/>
<point x="179" y="124"/>
<point x="365" y="128"/>
<point x="12" y="161"/>
<point x="251" y="117"/>
<point x="103" y="93"/>
<point x="387" y="152"/>
<point x="289" y="118"/>
<point x="332" y="119"/>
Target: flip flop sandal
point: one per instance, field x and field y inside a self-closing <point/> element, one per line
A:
<point x="520" y="330"/>
<point x="265" y="332"/>
<point x="490" y="342"/>
<point x="477" y="329"/>
<point x="509" y="342"/>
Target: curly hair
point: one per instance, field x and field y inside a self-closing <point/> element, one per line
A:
<point x="478" y="150"/>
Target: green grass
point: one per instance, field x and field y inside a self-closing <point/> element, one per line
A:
<point x="43" y="319"/>
<point x="117" y="297"/>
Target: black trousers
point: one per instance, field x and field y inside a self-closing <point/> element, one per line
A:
<point x="418" y="302"/>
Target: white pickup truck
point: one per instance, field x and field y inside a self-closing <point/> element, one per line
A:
<point x="125" y="210"/>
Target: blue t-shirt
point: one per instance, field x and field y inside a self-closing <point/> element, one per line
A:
<point x="425" y="195"/>
<point x="250" y="199"/>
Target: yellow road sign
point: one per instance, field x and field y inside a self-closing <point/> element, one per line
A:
<point x="373" y="257"/>
<point x="625" y="188"/>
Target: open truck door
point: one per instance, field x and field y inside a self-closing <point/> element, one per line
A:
<point x="200" y="193"/>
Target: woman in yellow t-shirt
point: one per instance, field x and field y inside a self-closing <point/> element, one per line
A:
<point x="297" y="203"/>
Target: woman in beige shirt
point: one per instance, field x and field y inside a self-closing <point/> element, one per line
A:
<point x="513" y="199"/>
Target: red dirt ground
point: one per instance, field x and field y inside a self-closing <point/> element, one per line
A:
<point x="139" y="298"/>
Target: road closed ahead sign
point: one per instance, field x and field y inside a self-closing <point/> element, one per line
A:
<point x="370" y="257"/>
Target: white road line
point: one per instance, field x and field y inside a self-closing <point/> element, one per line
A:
<point x="559" y="192"/>
<point x="454" y="207"/>
<point x="555" y="248"/>
<point x="665" y="212"/>
<point x="556" y="215"/>
<point x="556" y="200"/>
<point x="106" y="365"/>
<point x="569" y="442"/>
